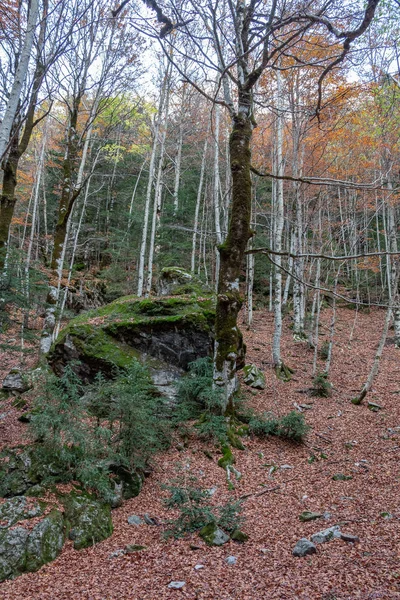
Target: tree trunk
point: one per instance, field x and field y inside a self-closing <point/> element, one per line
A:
<point x="14" y="98"/>
<point x="8" y="199"/>
<point x="228" y="338"/>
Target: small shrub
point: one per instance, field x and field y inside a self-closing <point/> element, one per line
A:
<point x="195" y="512"/>
<point x="199" y="400"/>
<point x="118" y="422"/>
<point x="321" y="386"/>
<point x="291" y="426"/>
<point x="324" y="350"/>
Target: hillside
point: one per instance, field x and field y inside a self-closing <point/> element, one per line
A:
<point x="343" y="439"/>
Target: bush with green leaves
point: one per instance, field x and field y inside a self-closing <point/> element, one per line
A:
<point x="291" y="426"/>
<point x="116" y="422"/>
<point x="199" y="400"/>
<point x="321" y="386"/>
<point x="195" y="511"/>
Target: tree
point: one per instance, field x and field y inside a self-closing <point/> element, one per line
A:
<point x="246" y="41"/>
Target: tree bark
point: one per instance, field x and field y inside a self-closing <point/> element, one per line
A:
<point x="229" y="348"/>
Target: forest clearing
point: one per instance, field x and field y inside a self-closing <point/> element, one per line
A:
<point x="199" y="299"/>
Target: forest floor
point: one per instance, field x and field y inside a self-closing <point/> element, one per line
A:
<point x="355" y="441"/>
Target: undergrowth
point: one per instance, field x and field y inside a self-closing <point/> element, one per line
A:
<point x="79" y="436"/>
<point x="195" y="511"/>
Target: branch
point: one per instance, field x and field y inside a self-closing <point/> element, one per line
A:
<point x="320" y="181"/>
<point x="323" y="256"/>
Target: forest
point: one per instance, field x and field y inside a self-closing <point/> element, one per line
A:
<point x="199" y="299"/>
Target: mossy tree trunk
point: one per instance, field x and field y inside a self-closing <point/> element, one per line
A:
<point x="228" y="338"/>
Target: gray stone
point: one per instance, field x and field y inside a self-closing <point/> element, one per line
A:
<point x="307" y="515"/>
<point x="304" y="547"/>
<point x="177" y="585"/>
<point x="15" y="382"/>
<point x="15" y="510"/>
<point x="135" y="520"/>
<point x="150" y="520"/>
<point x="326" y="535"/>
<point x="347" y="537"/>
<point x="198" y="567"/>
<point x="231" y="560"/>
<point x="45" y="541"/>
<point x="12" y="552"/>
<point x="254" y="377"/>
<point x="213" y="535"/>
<point x="117" y="553"/>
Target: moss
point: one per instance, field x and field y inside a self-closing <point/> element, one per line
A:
<point x="45" y="541"/>
<point x="239" y="536"/>
<point x="129" y="548"/>
<point x="114" y="335"/>
<point x="227" y="458"/>
<point x="89" y="521"/>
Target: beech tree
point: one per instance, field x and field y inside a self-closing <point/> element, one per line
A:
<point x="246" y="41"/>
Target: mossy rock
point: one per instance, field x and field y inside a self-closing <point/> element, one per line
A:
<point x="213" y="535"/>
<point x="45" y="541"/>
<point x="239" y="536"/>
<point x="254" y="377"/>
<point x="227" y="459"/>
<point x="12" y="552"/>
<point x="157" y="331"/>
<point x="16" y="509"/>
<point x="175" y="281"/>
<point x="89" y="520"/>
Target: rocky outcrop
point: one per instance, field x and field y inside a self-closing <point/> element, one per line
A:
<point x="165" y="333"/>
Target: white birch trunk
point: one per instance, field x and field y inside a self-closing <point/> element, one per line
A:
<point x="19" y="79"/>
<point x="279" y="221"/>
<point x="157" y="194"/>
<point x="198" y="202"/>
<point x="142" y="253"/>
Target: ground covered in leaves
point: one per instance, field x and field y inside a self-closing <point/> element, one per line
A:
<point x="343" y="439"/>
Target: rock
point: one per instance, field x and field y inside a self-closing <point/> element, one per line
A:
<point x="117" y="553"/>
<point x="213" y="535"/>
<point x="18" y="472"/>
<point x="164" y="333"/>
<point x="326" y="535"/>
<point x="239" y="536"/>
<point x="15" y="510"/>
<point x="198" y="567"/>
<point x="231" y="560"/>
<point x="45" y="541"/>
<point x="304" y="547"/>
<point x="177" y="585"/>
<point x="135" y="520"/>
<point x="150" y="520"/>
<point x="90" y="520"/>
<point x="342" y="477"/>
<point x="174" y="281"/>
<point x="307" y="515"/>
<point x="128" y="483"/>
<point x="347" y="537"/>
<point x="12" y="552"/>
<point x="254" y="377"/>
<point x="130" y="548"/>
<point x="15" y="382"/>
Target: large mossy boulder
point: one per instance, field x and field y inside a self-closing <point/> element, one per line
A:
<point x="165" y="333"/>
<point x="90" y="520"/>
